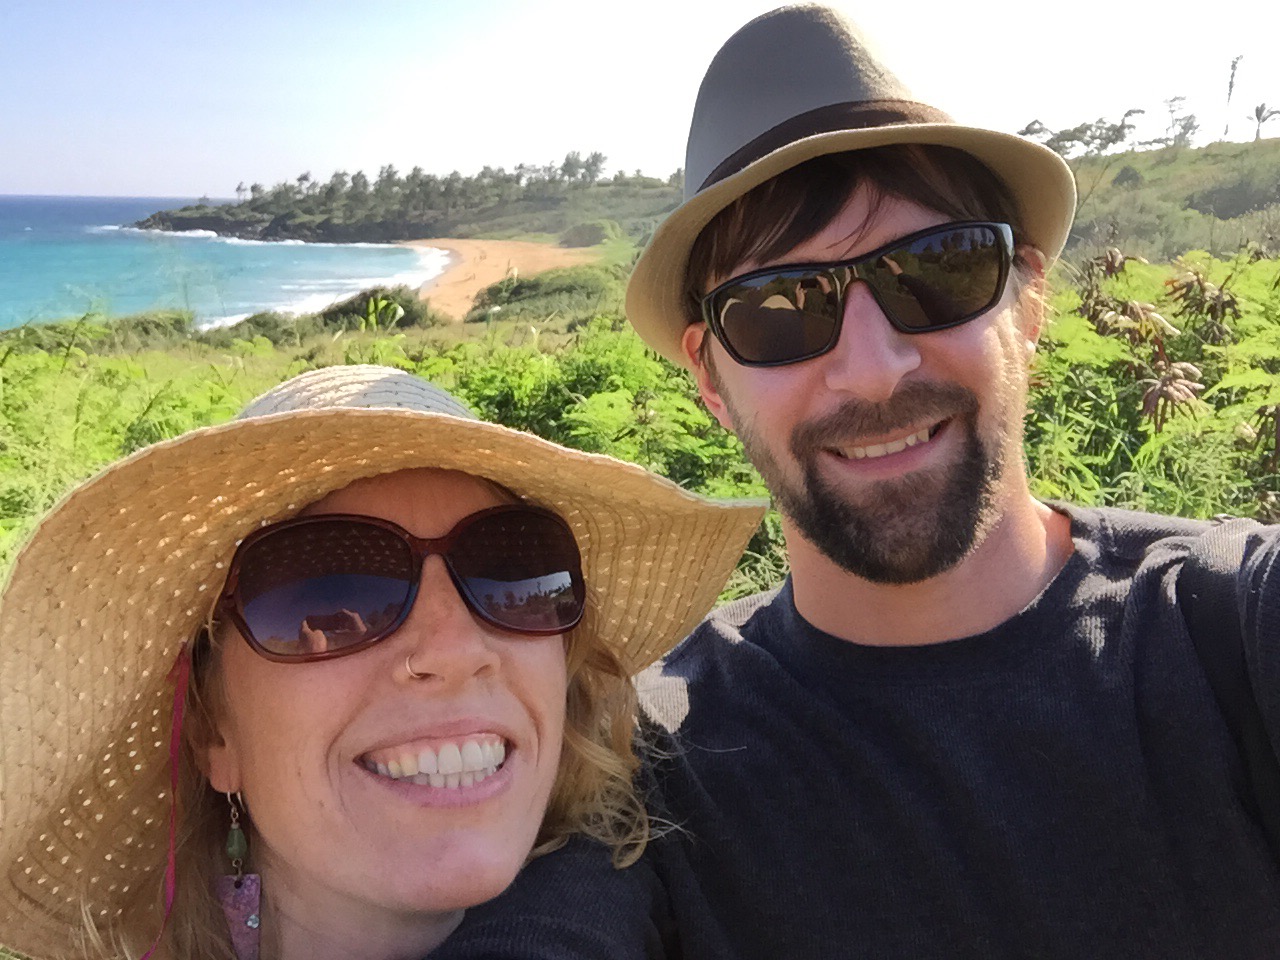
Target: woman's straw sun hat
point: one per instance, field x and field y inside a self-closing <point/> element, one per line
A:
<point x="125" y="569"/>
<point x="801" y="82"/>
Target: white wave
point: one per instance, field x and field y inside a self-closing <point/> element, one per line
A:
<point x="223" y="321"/>
<point x="184" y="234"/>
<point x="104" y="228"/>
<point x="337" y="283"/>
<point x="244" y="242"/>
<point x="432" y="258"/>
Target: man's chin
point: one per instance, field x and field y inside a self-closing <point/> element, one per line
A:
<point x="882" y="546"/>
<point x="903" y="530"/>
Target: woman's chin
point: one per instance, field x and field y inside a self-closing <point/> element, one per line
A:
<point x="463" y="877"/>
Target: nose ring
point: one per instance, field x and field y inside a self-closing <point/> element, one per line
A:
<point x="408" y="665"/>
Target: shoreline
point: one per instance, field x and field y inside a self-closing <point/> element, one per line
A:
<point x="476" y="264"/>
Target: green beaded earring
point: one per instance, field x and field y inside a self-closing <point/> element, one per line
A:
<point x="237" y="845"/>
<point x="240" y="893"/>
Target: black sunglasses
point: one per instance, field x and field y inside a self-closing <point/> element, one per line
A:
<point x="928" y="280"/>
<point x="328" y="585"/>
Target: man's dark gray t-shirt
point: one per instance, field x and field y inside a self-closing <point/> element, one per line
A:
<point x="1062" y="786"/>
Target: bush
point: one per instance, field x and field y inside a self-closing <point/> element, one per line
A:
<point x="1251" y="191"/>
<point x="345" y="314"/>
<point x="93" y="333"/>
<point x="573" y="293"/>
<point x="279" y="328"/>
<point x="1127" y="177"/>
<point x="591" y="233"/>
<point x="284" y="329"/>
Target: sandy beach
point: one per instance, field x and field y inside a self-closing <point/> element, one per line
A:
<point x="475" y="264"/>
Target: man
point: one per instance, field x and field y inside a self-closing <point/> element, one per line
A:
<point x="969" y="724"/>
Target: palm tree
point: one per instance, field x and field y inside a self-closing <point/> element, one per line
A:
<point x="1231" y="88"/>
<point x="1261" y="115"/>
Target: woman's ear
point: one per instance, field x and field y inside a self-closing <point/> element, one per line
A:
<point x="220" y="762"/>
<point x="206" y="723"/>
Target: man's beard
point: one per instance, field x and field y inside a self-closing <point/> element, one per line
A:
<point x="896" y="531"/>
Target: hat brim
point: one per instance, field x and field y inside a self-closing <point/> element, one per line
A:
<point x="1039" y="180"/>
<point x="126" y="568"/>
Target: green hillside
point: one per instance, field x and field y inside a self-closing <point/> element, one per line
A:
<point x="1161" y="203"/>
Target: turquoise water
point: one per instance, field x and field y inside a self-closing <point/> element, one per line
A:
<point x="63" y="256"/>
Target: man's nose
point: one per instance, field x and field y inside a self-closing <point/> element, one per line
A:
<point x="871" y="358"/>
<point x="443" y="639"/>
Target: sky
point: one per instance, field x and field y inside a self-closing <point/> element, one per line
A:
<point x="169" y="99"/>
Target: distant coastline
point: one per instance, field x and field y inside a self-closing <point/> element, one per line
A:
<point x="229" y="221"/>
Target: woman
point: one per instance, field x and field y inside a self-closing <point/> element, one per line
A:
<point x="313" y="682"/>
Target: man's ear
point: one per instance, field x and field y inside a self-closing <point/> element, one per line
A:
<point x="692" y="343"/>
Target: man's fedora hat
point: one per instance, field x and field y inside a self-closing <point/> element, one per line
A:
<point x="797" y="83"/>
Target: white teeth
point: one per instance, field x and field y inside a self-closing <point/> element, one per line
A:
<point x="472" y="757"/>
<point x="466" y="763"/>
<point x="885" y="449"/>
<point x="450" y="759"/>
<point x="427" y="761"/>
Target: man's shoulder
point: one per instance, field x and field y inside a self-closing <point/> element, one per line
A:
<point x="1129" y="538"/>
<point x="718" y="655"/>
<point x="1127" y="526"/>
<point x="731" y="623"/>
<point x="1135" y="534"/>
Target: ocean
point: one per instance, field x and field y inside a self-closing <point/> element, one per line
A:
<point x="64" y="256"/>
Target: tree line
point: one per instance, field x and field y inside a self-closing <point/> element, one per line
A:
<point x="393" y="206"/>
<point x="418" y="191"/>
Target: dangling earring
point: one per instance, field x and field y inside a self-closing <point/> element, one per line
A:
<point x="240" y="893"/>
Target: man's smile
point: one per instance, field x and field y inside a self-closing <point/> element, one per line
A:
<point x="888" y="446"/>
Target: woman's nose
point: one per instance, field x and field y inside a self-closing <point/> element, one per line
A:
<point x="871" y="358"/>
<point x="444" y="640"/>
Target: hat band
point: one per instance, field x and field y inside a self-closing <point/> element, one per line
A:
<point x="853" y="115"/>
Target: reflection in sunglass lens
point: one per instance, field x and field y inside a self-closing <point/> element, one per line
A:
<point x="520" y="570"/>
<point x="939" y="279"/>
<point x="780" y="316"/>
<point x="321" y="587"/>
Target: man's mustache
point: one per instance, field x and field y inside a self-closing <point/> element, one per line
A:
<point x="911" y="406"/>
